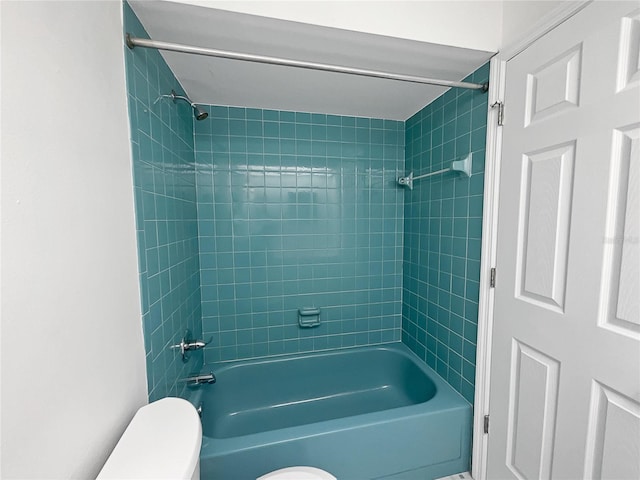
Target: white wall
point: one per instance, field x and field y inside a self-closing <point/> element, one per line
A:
<point x="488" y="25"/>
<point x="73" y="368"/>
<point x="519" y="16"/>
<point x="469" y="24"/>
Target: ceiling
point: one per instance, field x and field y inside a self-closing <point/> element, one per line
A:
<point x="216" y="81"/>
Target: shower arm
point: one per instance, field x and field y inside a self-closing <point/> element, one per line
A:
<point x="186" y="99"/>
<point x="174" y="96"/>
<point x="197" y="111"/>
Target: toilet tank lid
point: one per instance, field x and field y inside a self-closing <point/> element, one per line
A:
<point x="162" y="441"/>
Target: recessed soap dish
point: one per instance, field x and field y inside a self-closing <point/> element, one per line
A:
<point x="309" y="317"/>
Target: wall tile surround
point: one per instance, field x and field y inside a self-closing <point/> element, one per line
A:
<point x="294" y="210"/>
<point x="166" y="215"/>
<point x="442" y="234"/>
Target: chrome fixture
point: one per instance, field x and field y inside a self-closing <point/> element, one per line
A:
<point x="198" y="112"/>
<point x="205" y="378"/>
<point x="133" y="42"/>
<point x="462" y="166"/>
<point x="187" y="344"/>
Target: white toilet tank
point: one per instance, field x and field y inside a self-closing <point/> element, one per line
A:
<point x="162" y="442"/>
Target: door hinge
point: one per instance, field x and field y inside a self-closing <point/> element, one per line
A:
<point x="486" y="424"/>
<point x="500" y="107"/>
<point x="492" y="277"/>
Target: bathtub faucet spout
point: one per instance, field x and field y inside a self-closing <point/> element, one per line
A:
<point x="200" y="379"/>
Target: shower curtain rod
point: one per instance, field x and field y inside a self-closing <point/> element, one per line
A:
<point x="248" y="57"/>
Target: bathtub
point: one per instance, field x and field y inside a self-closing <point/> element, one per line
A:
<point x="362" y="413"/>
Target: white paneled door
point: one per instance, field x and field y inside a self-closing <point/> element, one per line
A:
<point x="565" y="364"/>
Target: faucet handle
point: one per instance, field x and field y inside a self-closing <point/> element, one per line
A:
<point x="182" y="346"/>
<point x="187" y="344"/>
<point x="199" y="344"/>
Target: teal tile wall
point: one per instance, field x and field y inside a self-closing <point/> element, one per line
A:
<point x="298" y="209"/>
<point x="290" y="209"/>
<point x="166" y="214"/>
<point x="442" y="232"/>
